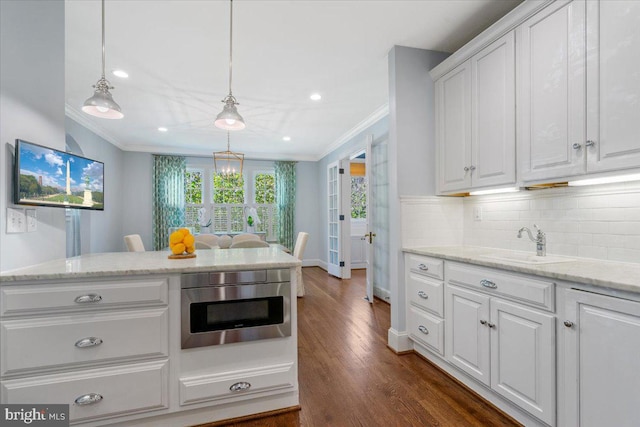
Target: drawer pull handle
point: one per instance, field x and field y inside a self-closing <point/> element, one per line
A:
<point x="423" y="267"/>
<point x="491" y="325"/>
<point x="488" y="284"/>
<point x="423" y="295"/>
<point x="84" y="299"/>
<point x="241" y="386"/>
<point x="483" y="322"/>
<point x="568" y="323"/>
<point x="423" y="329"/>
<point x="88" y="342"/>
<point x="88" y="399"/>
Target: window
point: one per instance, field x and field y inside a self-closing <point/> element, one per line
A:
<point x="224" y="200"/>
<point x="358" y="197"/>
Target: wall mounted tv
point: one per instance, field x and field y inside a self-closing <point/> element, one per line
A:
<point x="47" y="177"/>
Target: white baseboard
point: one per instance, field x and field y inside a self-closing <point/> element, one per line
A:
<point x="383" y="294"/>
<point x="314" y="263"/>
<point x="399" y="341"/>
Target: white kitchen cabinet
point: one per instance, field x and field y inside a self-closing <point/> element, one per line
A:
<point x="613" y="85"/>
<point x="505" y="345"/>
<point x="601" y="363"/>
<point x="551" y="92"/>
<point x="476" y="120"/>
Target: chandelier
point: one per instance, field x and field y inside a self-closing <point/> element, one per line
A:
<point x="227" y="162"/>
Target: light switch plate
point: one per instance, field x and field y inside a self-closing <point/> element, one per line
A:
<point x="477" y="213"/>
<point x="16" y="220"/>
<point x="32" y="220"/>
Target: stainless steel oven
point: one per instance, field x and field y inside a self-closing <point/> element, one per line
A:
<point x="235" y="306"/>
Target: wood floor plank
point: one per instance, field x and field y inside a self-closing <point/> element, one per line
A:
<point x="349" y="377"/>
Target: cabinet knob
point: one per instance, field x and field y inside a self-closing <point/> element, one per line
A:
<point x="84" y="299"/>
<point x="88" y="399"/>
<point x="423" y="329"/>
<point x="590" y="143"/>
<point x="423" y="295"/>
<point x="240" y="386"/>
<point x="483" y="322"/>
<point x="472" y="168"/>
<point x="491" y="325"/>
<point x="576" y="146"/>
<point x="88" y="342"/>
<point x="568" y="323"/>
<point x="466" y="169"/>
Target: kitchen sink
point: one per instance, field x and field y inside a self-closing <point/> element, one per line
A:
<point x="527" y="258"/>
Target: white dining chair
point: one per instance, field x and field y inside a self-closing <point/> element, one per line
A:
<point x="249" y="244"/>
<point x="205" y="241"/>
<point x="245" y="236"/>
<point x="224" y="241"/>
<point x="298" y="251"/>
<point x="134" y="243"/>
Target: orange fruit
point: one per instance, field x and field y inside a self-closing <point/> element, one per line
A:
<point x="175" y="237"/>
<point x="185" y="231"/>
<point x="178" y="248"/>
<point x="191" y="249"/>
<point x="188" y="240"/>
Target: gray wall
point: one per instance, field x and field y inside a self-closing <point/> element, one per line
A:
<point x="411" y="151"/>
<point x="31" y="108"/>
<point x="308" y="207"/>
<point x="137" y="198"/>
<point x="102" y="231"/>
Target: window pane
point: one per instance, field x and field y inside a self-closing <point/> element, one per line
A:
<point x="193" y="183"/>
<point x="265" y="188"/>
<point x="228" y="189"/>
<point x="358" y="197"/>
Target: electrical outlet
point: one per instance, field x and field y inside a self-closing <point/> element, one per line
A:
<point x="32" y="220"/>
<point x="477" y="213"/>
<point x="16" y="221"/>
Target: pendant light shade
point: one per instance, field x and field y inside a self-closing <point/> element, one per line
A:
<point x="101" y="104"/>
<point x="229" y="118"/>
<point x="227" y="162"/>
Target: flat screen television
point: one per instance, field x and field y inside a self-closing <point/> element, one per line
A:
<point x="47" y="177"/>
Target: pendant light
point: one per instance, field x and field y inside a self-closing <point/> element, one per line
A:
<point x="101" y="104"/>
<point x="227" y="162"/>
<point x="229" y="118"/>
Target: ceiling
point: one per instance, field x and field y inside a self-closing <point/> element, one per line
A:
<point x="177" y="55"/>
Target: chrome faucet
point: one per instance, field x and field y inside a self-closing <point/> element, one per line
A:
<point x="540" y="240"/>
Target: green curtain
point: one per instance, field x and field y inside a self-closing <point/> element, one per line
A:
<point x="168" y="197"/>
<point x="286" y="202"/>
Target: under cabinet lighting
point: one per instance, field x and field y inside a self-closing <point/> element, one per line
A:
<point x="494" y="191"/>
<point x="605" y="180"/>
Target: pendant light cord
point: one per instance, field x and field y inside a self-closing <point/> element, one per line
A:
<point x="103" y="54"/>
<point x="230" y="47"/>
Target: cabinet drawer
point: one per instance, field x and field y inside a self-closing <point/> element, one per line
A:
<point x="49" y="342"/>
<point x="531" y="291"/>
<point x="237" y="385"/>
<point x="125" y="390"/>
<point x="28" y="299"/>
<point x="427" y="266"/>
<point x="425" y="293"/>
<point x="426" y="329"/>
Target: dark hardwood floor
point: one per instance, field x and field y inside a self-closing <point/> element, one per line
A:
<point x="349" y="377"/>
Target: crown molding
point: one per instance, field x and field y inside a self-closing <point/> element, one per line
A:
<point x="379" y="113"/>
<point x="82" y="119"/>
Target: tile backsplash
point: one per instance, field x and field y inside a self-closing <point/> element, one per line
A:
<point x="600" y="222"/>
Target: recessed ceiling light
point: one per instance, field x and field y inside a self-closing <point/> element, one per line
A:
<point x="286" y="138"/>
<point x="315" y="96"/>
<point x="161" y="129"/>
<point x="120" y="73"/>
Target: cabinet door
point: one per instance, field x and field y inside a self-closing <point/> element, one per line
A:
<point x="601" y="366"/>
<point x="453" y="129"/>
<point x="494" y="95"/>
<point x="551" y="92"/>
<point x="523" y="358"/>
<point x="613" y="84"/>
<point x="467" y="343"/>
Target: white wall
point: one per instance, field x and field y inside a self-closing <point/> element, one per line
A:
<point x="600" y="222"/>
<point x="31" y="108"/>
<point x="308" y="206"/>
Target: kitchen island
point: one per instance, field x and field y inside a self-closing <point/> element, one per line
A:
<point x="104" y="333"/>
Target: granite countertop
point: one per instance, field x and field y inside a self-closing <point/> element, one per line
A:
<point x="610" y="274"/>
<point x="138" y="263"/>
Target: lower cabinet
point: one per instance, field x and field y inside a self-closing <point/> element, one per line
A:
<point x="507" y="346"/>
<point x="601" y="361"/>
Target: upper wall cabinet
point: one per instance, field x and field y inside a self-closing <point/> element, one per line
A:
<point x="475" y="120"/>
<point x="579" y="89"/>
<point x="613" y="85"/>
<point x="551" y="92"/>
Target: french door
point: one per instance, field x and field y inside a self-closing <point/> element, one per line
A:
<point x="339" y="207"/>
